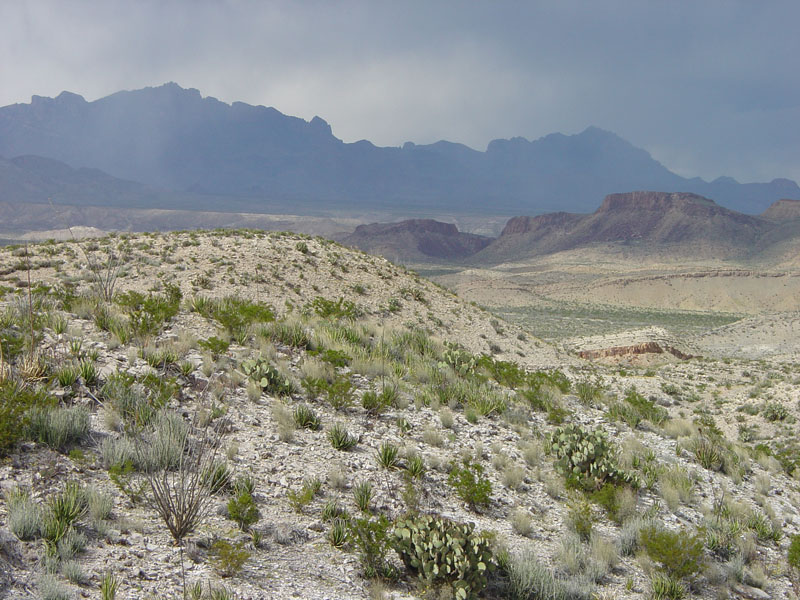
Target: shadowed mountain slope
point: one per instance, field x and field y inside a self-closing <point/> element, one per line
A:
<point x="170" y="137"/>
<point x="416" y="239"/>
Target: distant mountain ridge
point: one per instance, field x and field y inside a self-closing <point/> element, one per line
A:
<point x="173" y="138"/>
<point x="682" y="223"/>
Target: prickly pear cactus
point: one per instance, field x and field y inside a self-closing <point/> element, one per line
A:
<point x="460" y="360"/>
<point x="586" y="456"/>
<point x="266" y="376"/>
<point x="441" y="551"/>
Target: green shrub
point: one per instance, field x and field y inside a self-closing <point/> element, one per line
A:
<point x="214" y="345"/>
<point x="793" y="553"/>
<point x="439" y="551"/>
<point x="585" y="457"/>
<point x="303" y="498"/>
<point x="235" y="314"/>
<point x="228" y="559"/>
<point x="148" y="314"/>
<point x="333" y="309"/>
<point x="371" y="538"/>
<point x="16" y="401"/>
<point x="243" y="510"/>
<point x="774" y="411"/>
<point x="470" y="484"/>
<point x="680" y="553"/>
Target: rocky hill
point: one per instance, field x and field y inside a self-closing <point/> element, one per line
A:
<point x="237" y="414"/>
<point x="415" y="240"/>
<point x="172" y="138"/>
<point x="684" y="224"/>
<point x="783" y="210"/>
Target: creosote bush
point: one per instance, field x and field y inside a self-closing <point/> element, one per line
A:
<point x="470" y="484"/>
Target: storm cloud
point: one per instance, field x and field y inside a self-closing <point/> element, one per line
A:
<point x="709" y="88"/>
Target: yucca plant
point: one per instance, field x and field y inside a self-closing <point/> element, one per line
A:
<point x="340" y="438"/>
<point x="306" y="418"/>
<point x="387" y="456"/>
<point x="362" y="495"/>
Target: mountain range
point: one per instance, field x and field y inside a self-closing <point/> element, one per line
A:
<point x="683" y="224"/>
<point x="171" y="147"/>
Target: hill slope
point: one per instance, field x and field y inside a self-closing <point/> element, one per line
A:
<point x="174" y="138"/>
<point x="415" y="240"/>
<point x="319" y="398"/>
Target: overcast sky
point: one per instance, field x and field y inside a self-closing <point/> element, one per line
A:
<point x="709" y="87"/>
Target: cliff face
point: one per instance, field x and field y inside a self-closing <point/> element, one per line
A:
<point x="783" y="210"/>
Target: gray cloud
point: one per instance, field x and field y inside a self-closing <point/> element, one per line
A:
<point x="710" y="88"/>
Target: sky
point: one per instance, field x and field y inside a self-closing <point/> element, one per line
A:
<point x="708" y="87"/>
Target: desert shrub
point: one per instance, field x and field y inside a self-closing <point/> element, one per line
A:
<point x="585" y="457"/>
<point x="530" y="579"/>
<point x="635" y="408"/>
<point x="680" y="553"/>
<point x="793" y="553"/>
<point x="774" y="411"/>
<point x="333" y="309"/>
<point x="236" y="314"/>
<point x="302" y="498"/>
<point x="148" y="314"/>
<point x="470" y="484"/>
<point x="228" y="559"/>
<point x="371" y="538"/>
<point x="16" y="400"/>
<point x="58" y="427"/>
<point x="439" y="551"/>
<point x="24" y="515"/>
<point x="242" y="509"/>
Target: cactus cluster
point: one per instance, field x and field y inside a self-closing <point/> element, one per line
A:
<point x="585" y="456"/>
<point x="440" y="551"/>
<point x="266" y="376"/>
<point x="460" y="360"/>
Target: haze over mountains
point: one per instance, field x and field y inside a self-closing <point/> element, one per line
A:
<point x="186" y="151"/>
